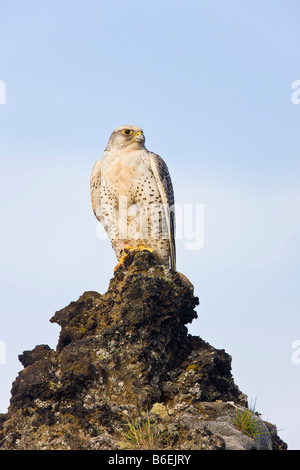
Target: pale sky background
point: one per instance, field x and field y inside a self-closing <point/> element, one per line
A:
<point x="210" y="82"/>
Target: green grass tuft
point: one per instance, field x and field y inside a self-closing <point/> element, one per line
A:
<point x="246" y="422"/>
<point x="140" y="433"/>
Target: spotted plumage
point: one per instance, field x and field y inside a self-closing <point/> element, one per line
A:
<point x="132" y="196"/>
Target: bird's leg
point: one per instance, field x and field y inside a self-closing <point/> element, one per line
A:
<point x="126" y="250"/>
<point x="121" y="262"/>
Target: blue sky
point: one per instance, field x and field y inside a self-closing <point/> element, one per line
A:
<point x="210" y="82"/>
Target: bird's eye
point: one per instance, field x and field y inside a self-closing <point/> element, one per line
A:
<point x="127" y="131"/>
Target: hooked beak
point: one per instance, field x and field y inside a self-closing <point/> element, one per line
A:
<point x="139" y="137"/>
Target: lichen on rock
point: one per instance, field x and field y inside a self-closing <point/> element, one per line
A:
<point x="128" y="350"/>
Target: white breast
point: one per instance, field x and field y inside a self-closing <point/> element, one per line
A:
<point x="123" y="173"/>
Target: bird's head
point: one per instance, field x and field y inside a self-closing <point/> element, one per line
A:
<point x="126" y="138"/>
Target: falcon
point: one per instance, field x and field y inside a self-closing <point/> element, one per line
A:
<point x="132" y="196"/>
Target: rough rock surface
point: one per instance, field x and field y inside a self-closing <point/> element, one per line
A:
<point x="126" y="357"/>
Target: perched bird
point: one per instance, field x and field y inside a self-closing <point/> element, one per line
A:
<point x="132" y="196"/>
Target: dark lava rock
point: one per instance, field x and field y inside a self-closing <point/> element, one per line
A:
<point x="126" y="356"/>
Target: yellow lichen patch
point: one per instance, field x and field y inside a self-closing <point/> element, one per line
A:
<point x="160" y="409"/>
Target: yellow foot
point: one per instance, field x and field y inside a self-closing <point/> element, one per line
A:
<point x="127" y="249"/>
<point x="142" y="248"/>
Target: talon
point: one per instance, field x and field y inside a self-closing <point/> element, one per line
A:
<point x="127" y="249"/>
<point x="121" y="263"/>
<point x="147" y="248"/>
